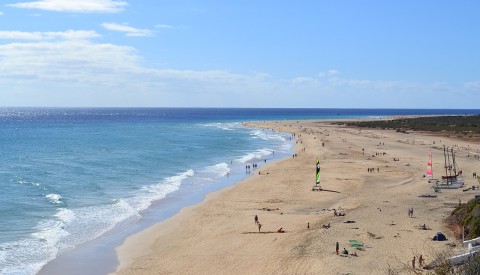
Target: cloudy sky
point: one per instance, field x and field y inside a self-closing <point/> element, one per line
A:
<point x="217" y="53"/>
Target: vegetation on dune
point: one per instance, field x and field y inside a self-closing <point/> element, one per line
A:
<point x="467" y="216"/>
<point x="466" y="125"/>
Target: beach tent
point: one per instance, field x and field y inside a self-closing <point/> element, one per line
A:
<point x="439" y="237"/>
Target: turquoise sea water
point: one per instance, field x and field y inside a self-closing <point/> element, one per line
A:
<point x="69" y="176"/>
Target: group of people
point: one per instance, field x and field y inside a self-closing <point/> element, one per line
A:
<point x="335" y="213"/>
<point x="371" y="170"/>
<point x="421" y="261"/>
<point x="257" y="222"/>
<point x="248" y="167"/>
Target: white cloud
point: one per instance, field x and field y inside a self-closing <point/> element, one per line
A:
<point x="164" y="26"/>
<point x="79" y="61"/>
<point x="67" y="35"/>
<point x="20" y="35"/>
<point x="83" y="73"/>
<point x="99" y="65"/>
<point x="303" y="80"/>
<point x="54" y="70"/>
<point x="377" y="85"/>
<point x="333" y="72"/>
<point x="474" y="85"/>
<point x="330" y="73"/>
<point x="76" y="6"/>
<point x="129" y="31"/>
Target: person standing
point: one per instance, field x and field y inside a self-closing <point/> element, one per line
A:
<point x="256" y="219"/>
<point x="337" y="247"/>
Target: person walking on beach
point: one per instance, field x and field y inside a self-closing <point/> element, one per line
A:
<point x="256" y="219"/>
<point x="420" y="261"/>
<point x="413" y="263"/>
<point x="259" y="227"/>
<point x="337" y="248"/>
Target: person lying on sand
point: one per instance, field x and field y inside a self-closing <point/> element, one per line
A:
<point x="424" y="227"/>
<point x="281" y="230"/>
<point x="327" y="226"/>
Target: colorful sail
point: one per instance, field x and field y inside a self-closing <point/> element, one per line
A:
<point x="318" y="173"/>
<point x="429" y="165"/>
<point x="429" y="172"/>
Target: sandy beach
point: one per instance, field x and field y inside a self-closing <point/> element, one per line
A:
<point x="220" y="236"/>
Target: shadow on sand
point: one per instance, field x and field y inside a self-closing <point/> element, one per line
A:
<point x="264" y="232"/>
<point x="333" y="191"/>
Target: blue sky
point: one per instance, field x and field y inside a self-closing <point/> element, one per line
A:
<point x="313" y="54"/>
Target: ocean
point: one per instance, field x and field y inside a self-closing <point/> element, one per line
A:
<point x="73" y="177"/>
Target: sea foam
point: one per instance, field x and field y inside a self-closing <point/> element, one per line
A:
<point x="217" y="170"/>
<point x="54" y="198"/>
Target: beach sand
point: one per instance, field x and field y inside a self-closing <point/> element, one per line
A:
<point x="219" y="235"/>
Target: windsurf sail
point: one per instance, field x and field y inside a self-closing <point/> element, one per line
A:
<point x="317" y="177"/>
<point x="429" y="165"/>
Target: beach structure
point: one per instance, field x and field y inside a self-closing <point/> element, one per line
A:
<point x="462" y="258"/>
<point x="473" y="247"/>
<point x="453" y="179"/>
<point x="473" y="244"/>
